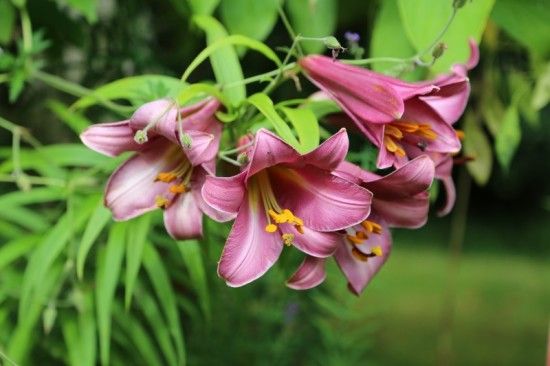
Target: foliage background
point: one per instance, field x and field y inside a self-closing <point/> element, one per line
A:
<point x="77" y="288"/>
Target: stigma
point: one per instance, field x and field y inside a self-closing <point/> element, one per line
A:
<point x="395" y="132"/>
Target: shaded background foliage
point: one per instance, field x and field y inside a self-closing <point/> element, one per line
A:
<point x="77" y="288"/>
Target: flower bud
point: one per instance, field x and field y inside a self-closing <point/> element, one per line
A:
<point x="457" y="4"/>
<point x="438" y="50"/>
<point x="242" y="158"/>
<point x="332" y="43"/>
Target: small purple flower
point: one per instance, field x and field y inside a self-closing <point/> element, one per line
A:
<point x="352" y="37"/>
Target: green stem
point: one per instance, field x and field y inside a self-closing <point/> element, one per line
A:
<point x="10" y="126"/>
<point x="7" y="359"/>
<point x="289" y="29"/>
<point x="439" y="36"/>
<point x="78" y="91"/>
<point x="15" y="148"/>
<point x="260" y="77"/>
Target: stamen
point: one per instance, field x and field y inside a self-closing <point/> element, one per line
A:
<point x="271" y="228"/>
<point x="354" y="239"/>
<point x="393" y="131"/>
<point x="287" y="239"/>
<point x="166" y="177"/>
<point x="178" y="188"/>
<point x="161" y="202"/>
<point x="426" y="131"/>
<point x="460" y="134"/>
<point x="409" y="127"/>
<point x="372" y="227"/>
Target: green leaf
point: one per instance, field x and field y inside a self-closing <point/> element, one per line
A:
<point x="508" y="138"/>
<point x="7" y="21"/>
<point x="80" y="334"/>
<point x="100" y="218"/>
<point x="190" y="251"/>
<point x="15" y="249"/>
<point x="137" y="234"/>
<point x="152" y="313"/>
<point x="541" y="94"/>
<point x="141" y="89"/>
<point x="477" y="145"/>
<point x="138" y="335"/>
<point x="264" y="104"/>
<point x="74" y="120"/>
<point x="108" y="270"/>
<point x="526" y="21"/>
<point x="202" y="7"/>
<point x="165" y="295"/>
<point x="229" y="41"/>
<point x="198" y="90"/>
<point x="85" y="7"/>
<point x="389" y="39"/>
<point x="423" y="20"/>
<point x="306" y="126"/>
<point x="49" y="250"/>
<point x="35" y="195"/>
<point x="251" y="18"/>
<point x="225" y="62"/>
<point x="23" y="337"/>
<point x="26" y="218"/>
<point x="313" y="18"/>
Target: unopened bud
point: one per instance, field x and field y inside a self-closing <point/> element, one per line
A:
<point x="332" y="43"/>
<point x="457" y="4"/>
<point x="438" y="50"/>
<point x="242" y="158"/>
<point x="186" y="140"/>
<point x="141" y="137"/>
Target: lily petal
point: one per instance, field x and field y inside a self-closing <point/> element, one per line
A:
<point x="249" y="251"/>
<point x="443" y="171"/>
<point x="311" y="273"/>
<point x="162" y="112"/>
<point x="357" y="90"/>
<point x="183" y="218"/>
<point x="224" y="194"/>
<point x="314" y="243"/>
<point x="269" y="150"/>
<point x="110" y="139"/>
<point x="132" y="189"/>
<point x="204" y="147"/>
<point x="322" y="200"/>
<point x="360" y="273"/>
<point x="330" y="153"/>
<point x="400" y="198"/>
<point x="449" y="103"/>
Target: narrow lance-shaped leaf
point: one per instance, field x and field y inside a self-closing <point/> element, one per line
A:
<point x="225" y="62"/>
<point x="100" y="217"/>
<point x="264" y="104"/>
<point x="165" y="295"/>
<point x="190" y="251"/>
<point x="306" y="126"/>
<point x="107" y="275"/>
<point x="137" y="235"/>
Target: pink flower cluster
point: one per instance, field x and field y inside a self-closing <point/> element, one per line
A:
<point x="316" y="202"/>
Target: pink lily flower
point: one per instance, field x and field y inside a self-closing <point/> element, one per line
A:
<point x="282" y="197"/>
<point x="399" y="200"/>
<point x="164" y="173"/>
<point x="422" y="112"/>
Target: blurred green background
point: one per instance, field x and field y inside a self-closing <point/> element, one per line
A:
<point x="477" y="301"/>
